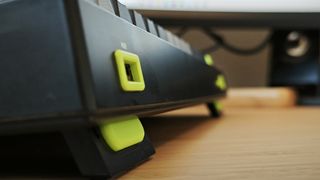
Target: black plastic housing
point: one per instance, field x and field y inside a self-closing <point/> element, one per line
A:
<point x="58" y="74"/>
<point x="57" y="64"/>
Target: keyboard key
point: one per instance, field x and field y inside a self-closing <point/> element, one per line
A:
<point x="124" y="12"/>
<point x="115" y="6"/>
<point x="176" y="41"/>
<point x="186" y="47"/>
<point x="105" y="4"/>
<point x="170" y="37"/>
<point x="151" y="27"/>
<point x="162" y="33"/>
<point x="139" y="21"/>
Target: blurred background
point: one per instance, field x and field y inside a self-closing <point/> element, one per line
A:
<point x="241" y="71"/>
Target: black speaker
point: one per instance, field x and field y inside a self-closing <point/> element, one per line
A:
<point x="295" y="62"/>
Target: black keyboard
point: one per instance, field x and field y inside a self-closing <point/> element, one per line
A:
<point x="79" y="67"/>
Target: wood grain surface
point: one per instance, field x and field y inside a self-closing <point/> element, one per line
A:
<point x="246" y="143"/>
<point x="260" y="97"/>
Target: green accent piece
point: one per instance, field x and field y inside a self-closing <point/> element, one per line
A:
<point x="208" y="59"/>
<point x="221" y="82"/>
<point x="122" y="132"/>
<point x="129" y="71"/>
<point x="218" y="106"/>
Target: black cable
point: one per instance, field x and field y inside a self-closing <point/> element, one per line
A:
<point x="220" y="42"/>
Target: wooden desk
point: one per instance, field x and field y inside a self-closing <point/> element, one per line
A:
<point x="251" y="143"/>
